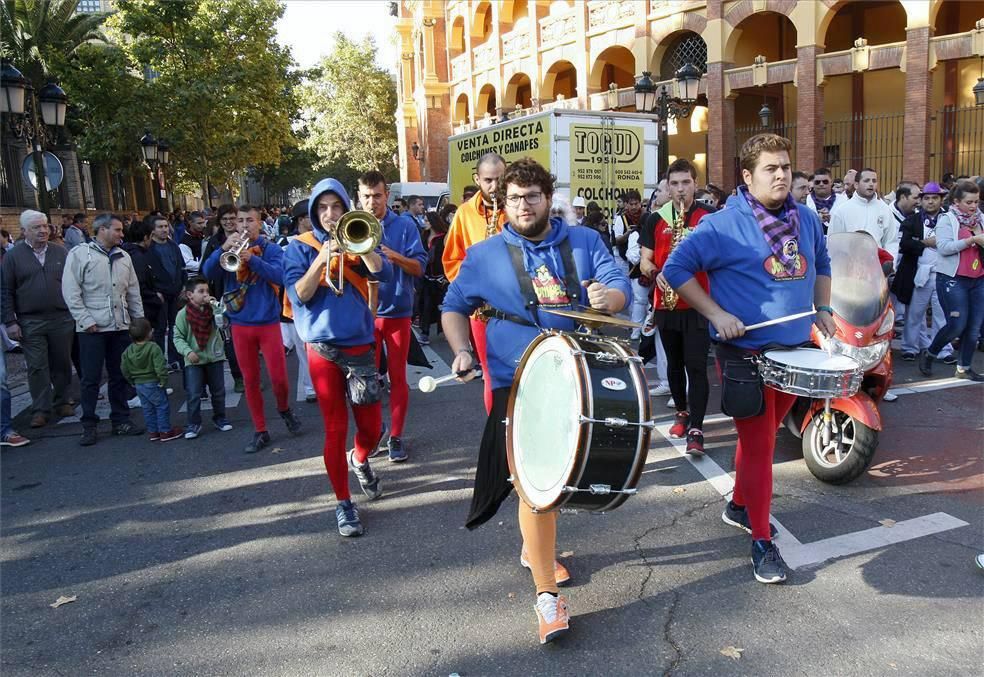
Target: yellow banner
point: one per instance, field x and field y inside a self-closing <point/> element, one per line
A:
<point x="606" y="161"/>
<point x="514" y="140"/>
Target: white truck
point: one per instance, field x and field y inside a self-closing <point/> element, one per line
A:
<point x="595" y="155"/>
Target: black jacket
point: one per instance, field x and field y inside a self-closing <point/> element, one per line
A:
<point x="910" y="248"/>
<point x="143" y="265"/>
<point x="216" y="287"/>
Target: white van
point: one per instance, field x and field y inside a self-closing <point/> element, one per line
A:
<point x="431" y="191"/>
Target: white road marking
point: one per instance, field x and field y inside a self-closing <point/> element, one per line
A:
<point x="798" y="554"/>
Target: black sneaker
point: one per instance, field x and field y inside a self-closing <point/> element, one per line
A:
<point x="909" y="357"/>
<point x="127" y="429"/>
<point x="949" y="359"/>
<point x="968" y="374"/>
<point x="88" y="437"/>
<point x="260" y="440"/>
<point x="368" y="479"/>
<point x="396" y="452"/>
<point x="347" y="516"/>
<point x="737" y="516"/>
<point x="767" y="563"/>
<point x="380" y="447"/>
<point x="926" y="363"/>
<point x="292" y="422"/>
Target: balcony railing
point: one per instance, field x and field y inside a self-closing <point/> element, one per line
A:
<point x="484" y="56"/>
<point x="856" y="59"/>
<point x="558" y="30"/>
<point x="515" y="44"/>
<point x="459" y="68"/>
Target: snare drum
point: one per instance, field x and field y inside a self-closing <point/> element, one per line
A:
<point x="578" y="423"/>
<point x="809" y="372"/>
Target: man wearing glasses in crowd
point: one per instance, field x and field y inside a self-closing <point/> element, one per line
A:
<point x="823" y="198"/>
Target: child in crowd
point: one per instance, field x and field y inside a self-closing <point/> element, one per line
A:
<point x="144" y="367"/>
<point x="198" y="340"/>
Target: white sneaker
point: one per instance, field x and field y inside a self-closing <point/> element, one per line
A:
<point x="553" y="616"/>
<point x="133" y="402"/>
<point x="890" y="396"/>
<point x="659" y="390"/>
<point x="670" y="403"/>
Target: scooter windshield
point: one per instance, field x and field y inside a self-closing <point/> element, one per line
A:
<point x="859" y="291"/>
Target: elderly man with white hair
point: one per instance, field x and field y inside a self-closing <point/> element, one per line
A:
<point x="34" y="313"/>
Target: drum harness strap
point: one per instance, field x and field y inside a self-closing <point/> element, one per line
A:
<point x="571" y="281"/>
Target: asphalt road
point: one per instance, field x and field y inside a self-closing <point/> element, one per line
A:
<point x="192" y="558"/>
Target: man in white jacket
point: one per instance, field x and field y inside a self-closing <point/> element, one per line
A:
<point x="865" y="211"/>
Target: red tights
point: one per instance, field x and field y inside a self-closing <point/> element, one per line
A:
<point x="329" y="384"/>
<point x="753" y="460"/>
<point x="478" y="338"/>
<point x="395" y="332"/>
<point x="249" y="341"/>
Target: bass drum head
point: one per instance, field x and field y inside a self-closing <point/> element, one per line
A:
<point x="544" y="426"/>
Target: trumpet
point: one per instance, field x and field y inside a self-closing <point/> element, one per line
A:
<point x="356" y="233"/>
<point x="230" y="260"/>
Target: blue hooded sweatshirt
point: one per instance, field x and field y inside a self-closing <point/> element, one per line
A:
<point x="401" y="235"/>
<point x="262" y="301"/>
<point x="326" y="318"/>
<point x="746" y="279"/>
<point x="487" y="276"/>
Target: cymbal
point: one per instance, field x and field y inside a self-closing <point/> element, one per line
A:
<point x="592" y="318"/>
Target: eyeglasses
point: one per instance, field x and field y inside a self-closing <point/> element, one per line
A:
<point x="821" y="181"/>
<point x="531" y="199"/>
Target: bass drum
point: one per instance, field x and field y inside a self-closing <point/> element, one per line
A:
<point x="578" y="423"/>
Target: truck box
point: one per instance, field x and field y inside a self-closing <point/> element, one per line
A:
<point x="597" y="155"/>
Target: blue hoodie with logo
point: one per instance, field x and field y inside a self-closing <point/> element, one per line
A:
<point x="487" y="276"/>
<point x="401" y="235"/>
<point x="746" y="279"/>
<point x="262" y="300"/>
<point x="340" y="320"/>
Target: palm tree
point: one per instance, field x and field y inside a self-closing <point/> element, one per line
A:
<point x="38" y="35"/>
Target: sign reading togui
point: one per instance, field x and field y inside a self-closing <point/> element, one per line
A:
<point x="606" y="161"/>
<point x="511" y="140"/>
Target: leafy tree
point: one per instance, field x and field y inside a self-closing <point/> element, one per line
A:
<point x="39" y="36"/>
<point x="349" y="106"/>
<point x="221" y="87"/>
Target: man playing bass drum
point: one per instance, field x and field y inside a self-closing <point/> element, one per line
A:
<point x="564" y="268"/>
<point x="766" y="257"/>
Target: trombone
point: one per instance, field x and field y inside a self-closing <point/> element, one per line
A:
<point x="231" y="260"/>
<point x="357" y="233"/>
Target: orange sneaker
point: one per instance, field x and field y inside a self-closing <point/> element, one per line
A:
<point x="561" y="574"/>
<point x="553" y="615"/>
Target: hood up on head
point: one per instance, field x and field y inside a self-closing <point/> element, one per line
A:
<point x="323" y="186"/>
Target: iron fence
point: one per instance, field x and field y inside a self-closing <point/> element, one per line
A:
<point x="957" y="137"/>
<point x="860" y="141"/>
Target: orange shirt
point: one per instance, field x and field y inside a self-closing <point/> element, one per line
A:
<point x="469" y="226"/>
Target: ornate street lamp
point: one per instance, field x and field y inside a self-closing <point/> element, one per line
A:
<point x="765" y="115"/>
<point x="155" y="154"/>
<point x="164" y="152"/>
<point x="148" y="145"/>
<point x="664" y="107"/>
<point x="29" y="116"/>
<point x="979" y="87"/>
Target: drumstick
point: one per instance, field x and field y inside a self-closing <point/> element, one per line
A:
<point x="427" y="384"/>
<point x="779" y="320"/>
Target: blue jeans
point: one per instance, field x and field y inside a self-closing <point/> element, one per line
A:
<point x="156" y="409"/>
<point x="962" y="299"/>
<point x="195" y="376"/>
<point x="5" y="427"/>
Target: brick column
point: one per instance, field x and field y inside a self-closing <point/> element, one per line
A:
<point x="721" y="131"/>
<point x="918" y="83"/>
<point x="809" y="105"/>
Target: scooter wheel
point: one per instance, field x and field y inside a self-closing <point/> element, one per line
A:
<point x="847" y="455"/>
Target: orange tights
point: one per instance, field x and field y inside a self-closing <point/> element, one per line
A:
<point x="540" y="543"/>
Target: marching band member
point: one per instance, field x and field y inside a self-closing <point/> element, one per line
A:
<point x="402" y="246"/>
<point x="252" y="299"/>
<point x="536" y="262"/>
<point x="766" y="257"/>
<point x="477" y="219"/>
<point x="682" y="330"/>
<point x="339" y="333"/>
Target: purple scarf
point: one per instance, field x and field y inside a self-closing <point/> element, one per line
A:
<point x="824" y="202"/>
<point x="969" y="221"/>
<point x="778" y="231"/>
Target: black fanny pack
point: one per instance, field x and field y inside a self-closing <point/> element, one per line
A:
<point x="361" y="376"/>
<point x="742" y="393"/>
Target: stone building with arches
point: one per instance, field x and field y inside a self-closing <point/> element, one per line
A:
<point x="853" y="83"/>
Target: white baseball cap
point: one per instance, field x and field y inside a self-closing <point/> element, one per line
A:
<point x="579" y="202"/>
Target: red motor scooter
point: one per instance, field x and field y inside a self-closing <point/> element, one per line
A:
<point x="865" y="326"/>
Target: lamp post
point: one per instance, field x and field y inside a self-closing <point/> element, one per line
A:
<point x="979" y="87"/>
<point x="22" y="107"/>
<point x="666" y="108"/>
<point x="155" y="153"/>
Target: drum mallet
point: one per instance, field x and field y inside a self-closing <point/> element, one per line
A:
<point x="428" y="384"/>
<point x="780" y="320"/>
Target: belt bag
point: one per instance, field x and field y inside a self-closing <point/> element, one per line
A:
<point x="361" y="375"/>
<point x="741" y="389"/>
